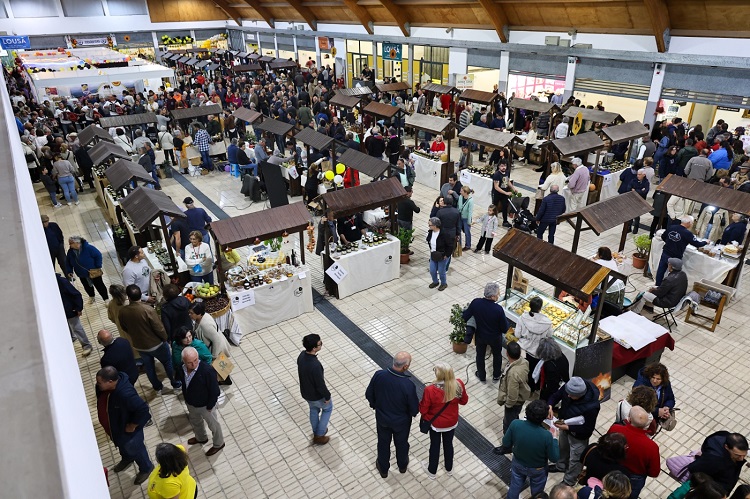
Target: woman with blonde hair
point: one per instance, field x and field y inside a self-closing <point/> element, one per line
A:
<point x="556" y="177"/>
<point x="615" y="485"/>
<point x="439" y="406"/>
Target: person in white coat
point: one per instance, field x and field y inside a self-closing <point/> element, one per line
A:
<point x="166" y="141"/>
<point x="532" y="327"/>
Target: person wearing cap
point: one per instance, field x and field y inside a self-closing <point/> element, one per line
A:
<point x="577" y="398"/>
<point x="735" y="231"/>
<point x="676" y="238"/>
<point x="197" y="218"/>
<point x="578" y="183"/>
<point x="740" y="177"/>
<point x="669" y="293"/>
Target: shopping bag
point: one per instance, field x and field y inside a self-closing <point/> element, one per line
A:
<point x="223" y="366"/>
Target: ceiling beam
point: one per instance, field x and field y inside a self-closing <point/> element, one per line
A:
<point x="233" y="13"/>
<point x="305" y="12"/>
<point x="497" y="17"/>
<point x="262" y="12"/>
<point x="398" y="15"/>
<point x="362" y="14"/>
<point x="659" y="16"/>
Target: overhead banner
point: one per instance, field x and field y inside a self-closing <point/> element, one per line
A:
<point x="100" y="41"/>
<point x="464" y="81"/>
<point x="15" y="42"/>
<point x="392" y="51"/>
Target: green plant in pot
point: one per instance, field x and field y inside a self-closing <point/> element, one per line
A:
<point x="458" y="333"/>
<point x="642" y="250"/>
<point x="406" y="237"/>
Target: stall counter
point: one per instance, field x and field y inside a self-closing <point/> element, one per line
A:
<point x="695" y="264"/>
<point x="368" y="268"/>
<point x="482" y="187"/>
<point x="428" y="171"/>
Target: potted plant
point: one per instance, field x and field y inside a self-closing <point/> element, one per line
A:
<point x="642" y="249"/>
<point x="458" y="334"/>
<point x="406" y="236"/>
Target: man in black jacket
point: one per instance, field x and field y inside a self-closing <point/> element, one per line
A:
<point x="72" y="302"/>
<point x="553" y="205"/>
<point x="201" y="391"/>
<point x="406" y="209"/>
<point x="123" y="414"/>
<point x="722" y="458"/>
<point x="55" y="243"/>
<point x="669" y="292"/>
<point x="490" y="329"/>
<point x="578" y="397"/>
<point x="119" y="354"/>
<point x="312" y="386"/>
<point x="394" y="397"/>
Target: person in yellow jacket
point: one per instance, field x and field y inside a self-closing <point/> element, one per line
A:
<point x="171" y="476"/>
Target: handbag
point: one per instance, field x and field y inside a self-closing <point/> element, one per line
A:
<point x="436" y="256"/>
<point x="582" y="475"/>
<point x="678" y="466"/>
<point x="424" y="425"/>
<point x="94" y="273"/>
<point x="457" y="251"/>
<point x="669" y="423"/>
<point x="539" y="194"/>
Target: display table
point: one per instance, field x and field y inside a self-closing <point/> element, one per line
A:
<point x="428" y="171"/>
<point x="369" y="267"/>
<point x="695" y="264"/>
<point x="224" y="321"/>
<point x="270" y="304"/>
<point x="609" y="185"/>
<point x="482" y="187"/>
<point x="155" y="264"/>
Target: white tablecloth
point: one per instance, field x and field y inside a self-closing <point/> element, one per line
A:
<point x="482" y="187"/>
<point x="632" y="330"/>
<point x="370" y="267"/>
<point x="277" y="302"/>
<point x="609" y="186"/>
<point x="427" y="171"/>
<point x="696" y="265"/>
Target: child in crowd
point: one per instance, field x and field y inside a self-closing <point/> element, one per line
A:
<point x="489" y="226"/>
<point x="51" y="187"/>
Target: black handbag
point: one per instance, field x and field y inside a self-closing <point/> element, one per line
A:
<point x="424" y="425"/>
<point x="436" y="256"/>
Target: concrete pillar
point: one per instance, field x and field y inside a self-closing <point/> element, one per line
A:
<point x="502" y="83"/>
<point x="317" y="53"/>
<point x="570" y="78"/>
<point x="296" y="54"/>
<point x="260" y="49"/>
<point x="410" y="67"/>
<point x="458" y="63"/>
<point x="374" y="67"/>
<point x="654" y="94"/>
<point x="275" y="45"/>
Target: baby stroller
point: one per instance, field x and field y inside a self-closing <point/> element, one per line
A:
<point x="523" y="219"/>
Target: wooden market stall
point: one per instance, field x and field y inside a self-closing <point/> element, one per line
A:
<point x="436" y="88"/>
<point x="132" y="122"/>
<point x="626" y="132"/>
<point x="364" y="163"/>
<point x="347" y="102"/>
<point x="120" y="175"/>
<point x="581" y="146"/>
<point x="185" y="116"/>
<point x="105" y="152"/>
<point x="607" y="214"/>
<point x="592" y="116"/>
<point x="246" y="68"/>
<point x="142" y="207"/>
<point x="267" y="289"/>
<point x="247" y="117"/>
<point x="365" y="265"/>
<point x="726" y="268"/>
<point x="431" y="171"/>
<point x="390" y="115"/>
<point x="361" y="91"/>
<point x="392" y="87"/>
<point x="478" y="97"/>
<point x="312" y="140"/>
<point x="93" y="134"/>
<point x="284" y="65"/>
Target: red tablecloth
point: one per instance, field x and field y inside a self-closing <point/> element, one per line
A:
<point x="622" y="355"/>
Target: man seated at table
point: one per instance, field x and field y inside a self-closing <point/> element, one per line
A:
<point x="243" y="160"/>
<point x="465" y="160"/>
<point x="669" y="293"/>
<point x="351" y="228"/>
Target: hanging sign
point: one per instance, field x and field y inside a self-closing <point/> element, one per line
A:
<point x="577" y="123"/>
<point x="464" y="81"/>
<point x="109" y="41"/>
<point x="15" y="42"/>
<point x="392" y="51"/>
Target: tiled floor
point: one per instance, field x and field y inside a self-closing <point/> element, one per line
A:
<point x="268" y="451"/>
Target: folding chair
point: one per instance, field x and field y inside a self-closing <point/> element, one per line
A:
<point x="667" y="313"/>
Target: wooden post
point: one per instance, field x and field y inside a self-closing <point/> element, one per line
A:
<point x="302" y="246"/>
<point x="736" y="278"/>
<point x="170" y="250"/>
<point x="577" y="233"/>
<point x="597" y="316"/>
<point x="623" y="237"/>
<point x="509" y="279"/>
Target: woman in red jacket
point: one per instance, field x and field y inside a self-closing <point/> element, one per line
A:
<point x="446" y="389"/>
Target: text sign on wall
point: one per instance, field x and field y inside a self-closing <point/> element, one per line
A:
<point x="15" y="42"/>
<point x="392" y="51"/>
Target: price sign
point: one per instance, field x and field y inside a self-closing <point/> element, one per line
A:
<point x="337" y="273"/>
<point x="243" y="299"/>
<point x="293" y="172"/>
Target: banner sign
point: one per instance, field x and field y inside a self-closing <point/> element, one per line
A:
<point x="392" y="51"/>
<point x="15" y="42"/>
<point x="464" y="81"/>
<point x="325" y="43"/>
<point x="107" y="41"/>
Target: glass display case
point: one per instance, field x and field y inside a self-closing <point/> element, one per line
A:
<point x="570" y="325"/>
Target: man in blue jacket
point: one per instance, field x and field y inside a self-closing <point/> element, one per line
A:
<point x="118" y="353"/>
<point x="394" y="397"/>
<point x="676" y="238"/>
<point x="640" y="185"/>
<point x="553" y="205"/>
<point x="72" y="302"/>
<point x="123" y="414"/>
<point x="55" y="243"/>
<point x="490" y="330"/>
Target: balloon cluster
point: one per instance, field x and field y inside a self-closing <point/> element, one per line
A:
<point x="168" y="40"/>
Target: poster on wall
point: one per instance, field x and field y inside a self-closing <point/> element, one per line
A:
<point x="103" y="90"/>
<point x="464" y="81"/>
<point x="100" y="41"/>
<point x="325" y="43"/>
<point x="85" y="89"/>
<point x="392" y="51"/>
<point x="594" y="363"/>
<point x="50" y="90"/>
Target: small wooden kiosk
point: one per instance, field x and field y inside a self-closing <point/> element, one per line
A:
<point x="432" y="172"/>
<point x="578" y="146"/>
<point x="378" y="110"/>
<point x="435" y="88"/>
<point x="364" y="163"/>
<point x="129" y="122"/>
<point x="93" y="134"/>
<point x="592" y="116"/>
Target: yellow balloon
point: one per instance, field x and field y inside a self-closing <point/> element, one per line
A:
<point x="340" y="168"/>
<point x="329" y="175"/>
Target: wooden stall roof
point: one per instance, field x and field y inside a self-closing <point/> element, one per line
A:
<point x="532" y="105"/>
<point x="203" y="63"/>
<point x="127" y="120"/>
<point x="265" y="58"/>
<point x="345" y="202"/>
<point x="143" y="205"/>
<point x="245" y="55"/>
<point x="183" y="59"/>
<point x="575" y="274"/>
<point x="478" y="96"/>
<point x="712" y="195"/>
<point x="594" y="115"/>
<point x="383" y="110"/>
<point x="283" y="64"/>
<point x="273" y="222"/>
<point x="247" y="67"/>
<point x="171" y="56"/>
<point x="103" y="150"/>
<point x="253" y="57"/>
<point x="213" y="67"/>
<point x="248" y="115"/>
<point x="234" y="52"/>
<point x="313" y="139"/>
<point x="364" y="163"/>
<point x="440" y="89"/>
<point x="167" y="55"/>
<point x="91" y="132"/>
<point x="123" y="171"/>
<point x="192" y="61"/>
<point x="342" y="100"/>
<point x="197" y="51"/>
<point x="433" y="124"/>
<point x="581" y="143"/>
<point x="356" y="91"/>
<point x="194" y="112"/>
<point x="221" y="52"/>
<point x="274" y="126"/>
<point x="487" y="136"/>
<point x="611" y="212"/>
<point x="626" y="131"/>
<point x="392" y="87"/>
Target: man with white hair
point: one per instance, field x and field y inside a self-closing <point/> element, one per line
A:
<point x="578" y="183"/>
<point x="676" y="238"/>
<point x="140" y="140"/>
<point x="641" y="453"/>
<point x="490" y="329"/>
<point x="394" y="397"/>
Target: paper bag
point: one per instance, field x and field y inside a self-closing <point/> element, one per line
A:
<point x="223" y="366"/>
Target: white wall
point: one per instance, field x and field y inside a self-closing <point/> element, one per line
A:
<point x="734" y="118"/>
<point x="484" y="79"/>
<point x="709" y="46"/>
<point x="101" y="24"/>
<point x="637" y="43"/>
<point x="630" y="109"/>
<point x="457" y="63"/>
